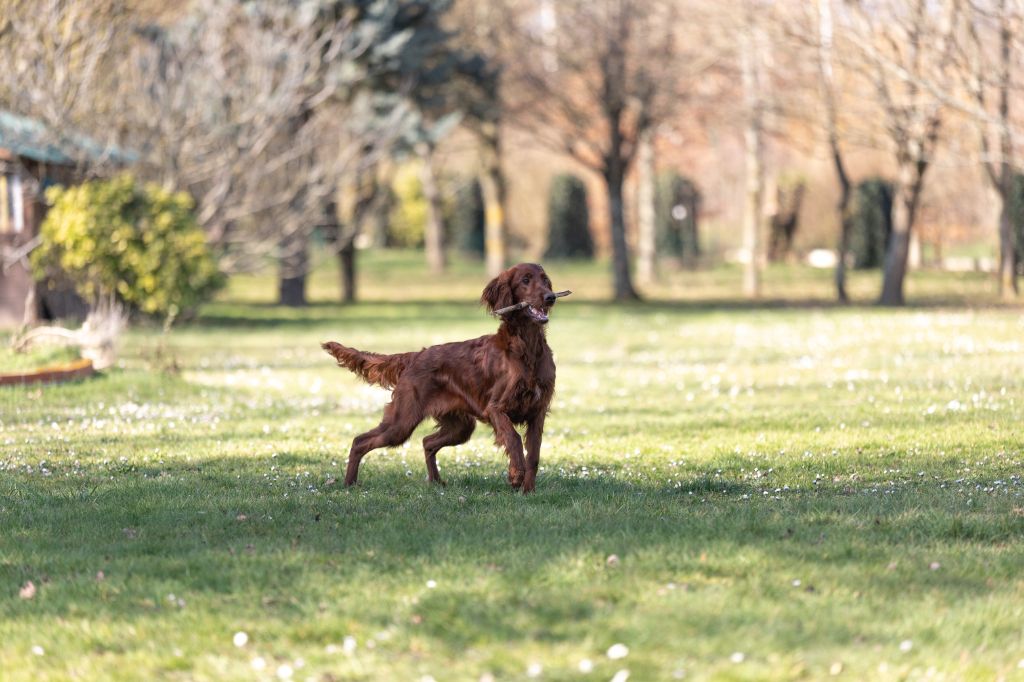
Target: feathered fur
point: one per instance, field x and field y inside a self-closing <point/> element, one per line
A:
<point x="502" y="379"/>
<point x="375" y="368"/>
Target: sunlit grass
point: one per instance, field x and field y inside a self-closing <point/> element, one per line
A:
<point x="731" y="492"/>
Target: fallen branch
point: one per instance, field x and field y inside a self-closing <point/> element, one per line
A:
<point x="97" y="339"/>
<point x="524" y="304"/>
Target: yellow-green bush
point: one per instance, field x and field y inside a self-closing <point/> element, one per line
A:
<point x="139" y="243"/>
<point x="409" y="215"/>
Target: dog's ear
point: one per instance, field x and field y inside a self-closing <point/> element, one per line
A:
<point x="498" y="293"/>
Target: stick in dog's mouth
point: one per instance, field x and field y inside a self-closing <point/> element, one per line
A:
<point x="524" y="304"/>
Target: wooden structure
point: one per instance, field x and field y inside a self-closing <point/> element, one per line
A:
<point x="32" y="158"/>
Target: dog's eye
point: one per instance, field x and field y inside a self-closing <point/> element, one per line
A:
<point x="526" y="279"/>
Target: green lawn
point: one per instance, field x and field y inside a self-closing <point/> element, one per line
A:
<point x="730" y="491"/>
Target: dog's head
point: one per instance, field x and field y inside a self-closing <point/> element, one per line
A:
<point x="526" y="282"/>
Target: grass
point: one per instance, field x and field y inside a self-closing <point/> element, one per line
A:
<point x="35" y="358"/>
<point x="731" y="491"/>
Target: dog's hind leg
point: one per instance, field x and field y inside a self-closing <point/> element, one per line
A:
<point x="401" y="417"/>
<point x="452" y="429"/>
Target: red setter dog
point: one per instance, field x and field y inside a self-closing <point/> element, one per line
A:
<point x="502" y="379"/>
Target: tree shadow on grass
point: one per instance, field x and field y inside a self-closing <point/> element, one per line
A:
<point x="227" y="534"/>
<point x="266" y="315"/>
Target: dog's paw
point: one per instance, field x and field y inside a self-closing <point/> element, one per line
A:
<point x="529" y="483"/>
<point x="515" y="478"/>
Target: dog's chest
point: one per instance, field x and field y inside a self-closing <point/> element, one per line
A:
<point x="533" y="395"/>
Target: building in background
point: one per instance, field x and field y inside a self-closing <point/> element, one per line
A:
<point x="32" y="158"/>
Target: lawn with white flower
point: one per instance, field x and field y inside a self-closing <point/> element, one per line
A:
<point x="727" y="491"/>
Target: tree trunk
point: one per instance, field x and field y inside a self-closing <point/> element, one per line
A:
<point x="1007" y="250"/>
<point x="646" y="271"/>
<point x="904" y="206"/>
<point x="31" y="315"/>
<point x="347" y="261"/>
<point x="367" y="188"/>
<point x="845" y="218"/>
<point x="292" y="266"/>
<point x="828" y="94"/>
<point x="492" y="187"/>
<point x="434" y="236"/>
<point x="620" y="251"/>
<point x="843" y="249"/>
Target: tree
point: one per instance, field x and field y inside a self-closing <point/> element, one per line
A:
<point x="784" y="220"/>
<point x="994" y="41"/>
<point x="62" y="76"/>
<point x="263" y="109"/>
<point x="646" y="219"/>
<point x="752" y="45"/>
<point x="483" y="35"/>
<point x="829" y="97"/>
<point x="906" y="53"/>
<point x="593" y="87"/>
<point x="237" y="103"/>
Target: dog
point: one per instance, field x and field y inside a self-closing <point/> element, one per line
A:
<point x="503" y="380"/>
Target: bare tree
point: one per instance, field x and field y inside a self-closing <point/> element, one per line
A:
<point x="994" y="30"/>
<point x="752" y="45"/>
<point x="646" y="217"/>
<point x="592" y="92"/>
<point x="433" y="237"/>
<point x="483" y="31"/>
<point x="61" y="77"/>
<point x="830" y="103"/>
<point x="903" y="49"/>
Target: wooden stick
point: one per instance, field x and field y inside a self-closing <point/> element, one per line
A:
<point x="524" y="304"/>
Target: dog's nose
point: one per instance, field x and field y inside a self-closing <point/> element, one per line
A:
<point x="549" y="298"/>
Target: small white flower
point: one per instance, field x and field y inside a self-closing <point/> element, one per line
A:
<point x="835" y="669"/>
<point x="738" y="657"/>
<point x="431" y="584"/>
<point x="620" y="676"/>
<point x="258" y="663"/>
<point x="427" y="678"/>
<point x="348" y="645"/>
<point x="906" y="645"/>
<point x="617" y="651"/>
<point x="586" y="665"/>
<point x="534" y="669"/>
<point x="240" y="639"/>
<point x="796" y="583"/>
<point x="38" y="650"/>
<point x="284" y="672"/>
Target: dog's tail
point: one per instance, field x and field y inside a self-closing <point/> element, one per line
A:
<point x="375" y="368"/>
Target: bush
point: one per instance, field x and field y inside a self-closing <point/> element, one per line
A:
<point x="568" y="219"/>
<point x="871" y="222"/>
<point x="409" y="211"/>
<point x="140" y="244"/>
<point x="1017" y="216"/>
<point x="467" y="220"/>
<point x="676" y="207"/>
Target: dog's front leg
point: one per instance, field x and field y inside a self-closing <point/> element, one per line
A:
<point x="534" y="433"/>
<point x="509" y="439"/>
